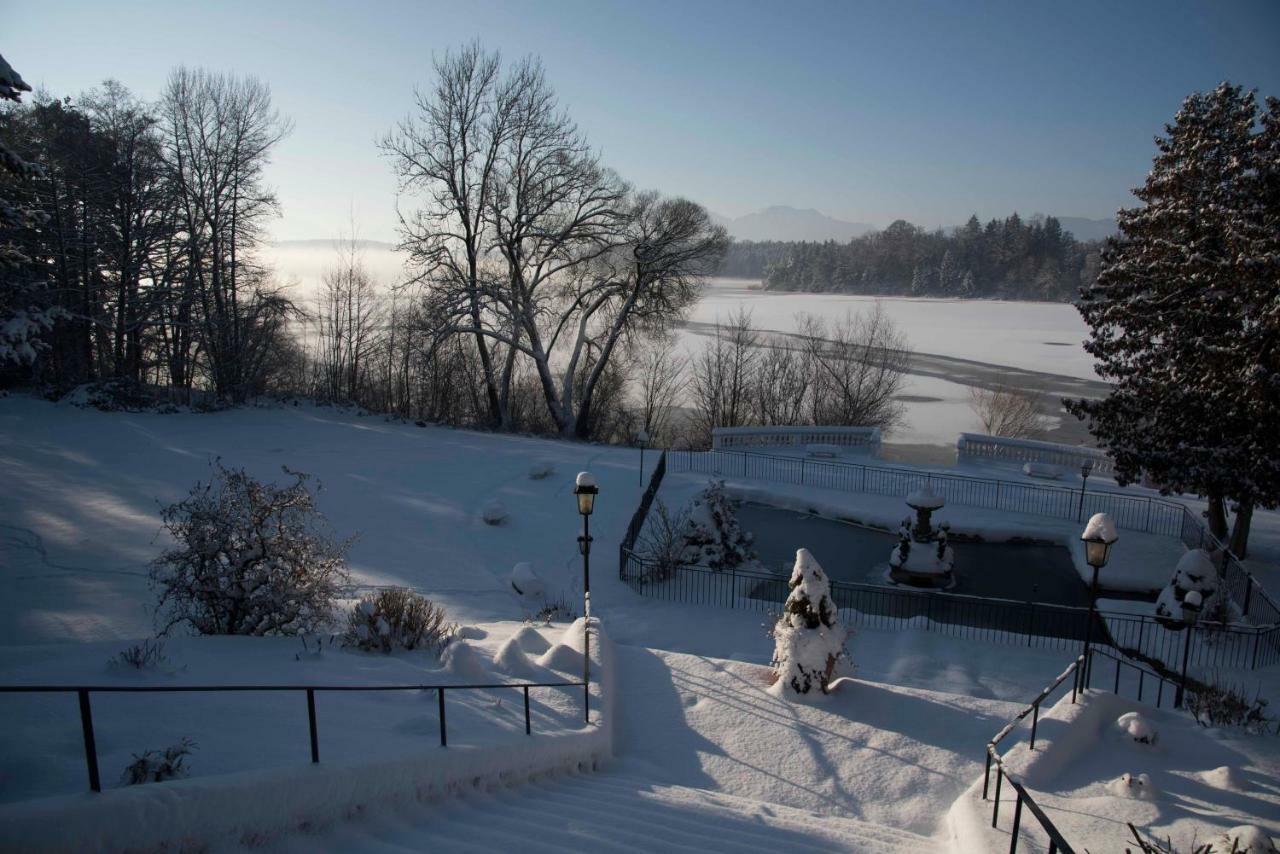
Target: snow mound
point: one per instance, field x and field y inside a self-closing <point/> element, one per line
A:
<point x="531" y="640"/>
<point x="562" y="658"/>
<point x="525" y="581"/>
<point x="1248" y="839"/>
<point x="465" y="661"/>
<point x="494" y="512"/>
<point x="472" y="633"/>
<point x="1137" y="727"/>
<point x="1136" y="786"/>
<point x="1224" y="777"/>
<point x="541" y="470"/>
<point x="512" y="660"/>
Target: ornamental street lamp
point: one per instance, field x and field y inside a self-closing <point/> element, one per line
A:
<point x="642" y="439"/>
<point x="1191" y="604"/>
<point x="1099" y="535"/>
<point x="586" y="491"/>
<point x="1086" y="469"/>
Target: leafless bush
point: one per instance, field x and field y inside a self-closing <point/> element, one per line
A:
<point x="1007" y="411"/>
<point x="859" y="364"/>
<point x="662" y="542"/>
<point x="397" y="619"/>
<point x="142" y="656"/>
<point x="1152" y="845"/>
<point x="559" y="609"/>
<point x="155" y="766"/>
<point x="1218" y="705"/>
<point x="252" y="558"/>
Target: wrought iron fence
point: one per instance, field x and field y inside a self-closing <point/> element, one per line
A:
<point x="83" y="693"/>
<point x="1132" y="512"/>
<point x="1033" y="624"/>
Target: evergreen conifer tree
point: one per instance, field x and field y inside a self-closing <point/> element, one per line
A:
<point x="808" y="637"/>
<point x="1185" y="315"/>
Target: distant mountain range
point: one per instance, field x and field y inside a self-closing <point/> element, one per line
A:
<point x="780" y="222"/>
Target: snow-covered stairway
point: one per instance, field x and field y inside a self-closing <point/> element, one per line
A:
<point x="603" y="812"/>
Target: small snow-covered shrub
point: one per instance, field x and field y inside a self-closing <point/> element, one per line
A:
<point x="1245" y="839"/>
<point x="662" y="542"/>
<point x="541" y="471"/>
<point x="557" y="610"/>
<point x="526" y="581"/>
<point x="1137" y="727"/>
<point x="156" y="766"/>
<point x="808" y="638"/>
<point x="494" y="512"/>
<point x="713" y="537"/>
<point x="397" y="619"/>
<point x="1194" y="571"/>
<point x="112" y="395"/>
<point x="1217" y="705"/>
<point x="147" y="655"/>
<point x="250" y="558"/>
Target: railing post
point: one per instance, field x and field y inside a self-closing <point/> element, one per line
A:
<point x="444" y="741"/>
<point x="1035" y="720"/>
<point x="528" y="728"/>
<point x="733" y="592"/>
<point x="1248" y="590"/>
<point x="311" y="722"/>
<point x="90" y="744"/>
<point x="986" y="777"/>
<point x="1017" y="820"/>
<point x="995" y="807"/>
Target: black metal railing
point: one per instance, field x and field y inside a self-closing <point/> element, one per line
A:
<point x="1081" y="671"/>
<point x="1133" y="512"/>
<point x="83" y="692"/>
<point x="1033" y="624"/>
<point x="1057" y="842"/>
<point x="642" y="512"/>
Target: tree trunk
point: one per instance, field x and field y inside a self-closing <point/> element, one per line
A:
<point x="1240" y="531"/>
<point x="1217" y="515"/>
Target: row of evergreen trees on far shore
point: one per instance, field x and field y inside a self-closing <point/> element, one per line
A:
<point x="1007" y="259"/>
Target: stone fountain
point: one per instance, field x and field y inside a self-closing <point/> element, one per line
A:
<point x="922" y="557"/>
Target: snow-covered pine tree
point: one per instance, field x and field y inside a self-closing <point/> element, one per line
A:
<point x="967" y="287"/>
<point x="948" y="275"/>
<point x="1185" y="315"/>
<point x="808" y="637"/>
<point x="24" y="310"/>
<point x="713" y="537"/>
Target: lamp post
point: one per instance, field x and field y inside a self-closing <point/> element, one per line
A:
<point x="1191" y="604"/>
<point x="1086" y="469"/>
<point x="586" y="491"/>
<point x="1099" y="535"/>
<point x="642" y="439"/>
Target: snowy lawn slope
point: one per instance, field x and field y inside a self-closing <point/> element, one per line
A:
<point x="251" y="776"/>
<point x="1198" y="782"/>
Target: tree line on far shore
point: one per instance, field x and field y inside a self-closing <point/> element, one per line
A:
<point x="1004" y="259"/>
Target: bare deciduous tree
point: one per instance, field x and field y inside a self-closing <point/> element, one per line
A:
<point x="1005" y="410"/>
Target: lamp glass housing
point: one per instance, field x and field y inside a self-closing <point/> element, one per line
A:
<point x="1086" y="469"/>
<point x="1096" y="552"/>
<point x="586" y="498"/>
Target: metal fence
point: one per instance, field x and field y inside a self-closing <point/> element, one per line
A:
<point x="1132" y="512"/>
<point x="1032" y="624"/>
<point x="83" y="692"/>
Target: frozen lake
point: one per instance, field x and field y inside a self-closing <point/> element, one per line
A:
<point x="1036" y="336"/>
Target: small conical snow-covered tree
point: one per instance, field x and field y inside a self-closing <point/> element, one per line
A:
<point x="713" y="537"/>
<point x="808" y="638"/>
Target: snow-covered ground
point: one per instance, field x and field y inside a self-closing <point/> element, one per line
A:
<point x="700" y="746"/>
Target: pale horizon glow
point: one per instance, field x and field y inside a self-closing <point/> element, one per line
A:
<point x="867" y="112"/>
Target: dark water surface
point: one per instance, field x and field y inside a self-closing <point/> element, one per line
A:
<point x="1020" y="571"/>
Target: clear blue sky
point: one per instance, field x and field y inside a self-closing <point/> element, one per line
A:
<point x="865" y="111"/>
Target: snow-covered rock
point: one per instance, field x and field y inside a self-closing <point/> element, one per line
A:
<point x="1136" y="786"/>
<point x="472" y="633"/>
<point x="526" y="581"/>
<point x="494" y="512"/>
<point x="1247" y="839"/>
<point x="1224" y="777"/>
<point x="541" y="470"/>
<point x="1137" y="727"/>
